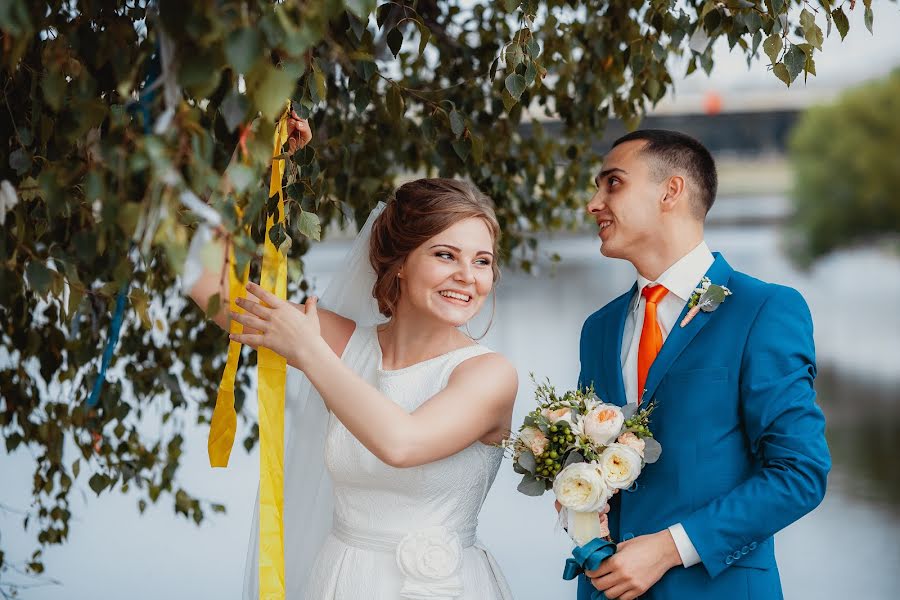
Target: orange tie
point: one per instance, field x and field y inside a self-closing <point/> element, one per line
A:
<point x="651" y="335"/>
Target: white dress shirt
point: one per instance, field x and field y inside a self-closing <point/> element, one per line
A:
<point x="680" y="279"/>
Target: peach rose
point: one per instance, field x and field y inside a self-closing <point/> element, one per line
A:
<point x="632" y="441"/>
<point x="535" y="439"/>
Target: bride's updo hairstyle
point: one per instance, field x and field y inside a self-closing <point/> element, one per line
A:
<point x="418" y="211"/>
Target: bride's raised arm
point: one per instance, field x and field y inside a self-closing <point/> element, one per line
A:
<point x="475" y="406"/>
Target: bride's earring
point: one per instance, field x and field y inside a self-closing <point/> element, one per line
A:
<point x="490" y="322"/>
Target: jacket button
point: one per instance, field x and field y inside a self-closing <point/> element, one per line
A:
<point x="745" y="550"/>
<point x="628" y="536"/>
<point x="753" y="545"/>
<point x="736" y="555"/>
<point x="728" y="560"/>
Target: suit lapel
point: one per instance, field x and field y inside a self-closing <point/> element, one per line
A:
<point x="719" y="273"/>
<point x="613" y="362"/>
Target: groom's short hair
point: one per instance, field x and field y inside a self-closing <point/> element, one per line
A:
<point x="675" y="151"/>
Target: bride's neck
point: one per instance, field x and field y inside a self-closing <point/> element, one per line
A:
<point x="406" y="340"/>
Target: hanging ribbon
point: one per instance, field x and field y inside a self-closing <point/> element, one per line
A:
<point x="112" y="339"/>
<point x="272" y="371"/>
<point x="142" y="106"/>
<point x="271" y="374"/>
<point x="588" y="558"/>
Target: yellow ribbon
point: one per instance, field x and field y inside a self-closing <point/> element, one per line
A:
<point x="271" y="374"/>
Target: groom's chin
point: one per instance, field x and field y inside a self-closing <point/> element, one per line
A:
<point x="609" y="250"/>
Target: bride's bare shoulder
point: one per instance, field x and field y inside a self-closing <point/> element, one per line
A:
<point x="336" y="330"/>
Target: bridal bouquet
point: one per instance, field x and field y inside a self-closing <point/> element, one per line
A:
<point x="585" y="451"/>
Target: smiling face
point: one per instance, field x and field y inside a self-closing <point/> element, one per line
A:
<point x="627" y="204"/>
<point x="450" y="275"/>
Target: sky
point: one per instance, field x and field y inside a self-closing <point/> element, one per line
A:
<point x="860" y="57"/>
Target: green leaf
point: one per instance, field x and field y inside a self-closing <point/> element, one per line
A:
<point x="395" y="104"/>
<point x="652" y="450"/>
<point x="275" y="88"/>
<point x="39" y="277"/>
<point x="198" y="72"/>
<point x="794" y="60"/>
<point x="243" y="47"/>
<point x="317" y="86"/>
<point x="54" y="87"/>
<point x="361" y="8"/>
<point x="527" y="461"/>
<point x="234" y="109"/>
<point x="573" y="457"/>
<point x="531" y="486"/>
<point x="772" y="47"/>
<point x="514" y="56"/>
<point x="515" y="84"/>
<point x="141" y="301"/>
<point x="462" y="147"/>
<point x="20" y="160"/>
<point x="811" y="32"/>
<point x="869" y="18"/>
<point x="98" y="482"/>
<point x="782" y="73"/>
<point x="511" y="5"/>
<point x="841" y="21"/>
<point x="457" y="123"/>
<point x="477" y="149"/>
<point x="530" y="74"/>
<point x="214" y="306"/>
<point x="76" y="468"/>
<point x="424" y="36"/>
<point x="309" y="225"/>
<point x="240" y="176"/>
<point x="362" y="99"/>
<point x="277" y="234"/>
<point x="395" y="41"/>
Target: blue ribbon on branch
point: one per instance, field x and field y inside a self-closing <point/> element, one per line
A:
<point x="142" y="106"/>
<point x="111" y="342"/>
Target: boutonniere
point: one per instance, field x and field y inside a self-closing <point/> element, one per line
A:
<point x="707" y="298"/>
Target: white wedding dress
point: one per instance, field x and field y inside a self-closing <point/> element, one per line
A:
<point x="404" y="533"/>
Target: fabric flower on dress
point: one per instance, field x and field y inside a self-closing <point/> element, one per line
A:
<point x="430" y="560"/>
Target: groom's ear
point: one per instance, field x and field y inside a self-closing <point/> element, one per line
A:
<point x="675" y="193"/>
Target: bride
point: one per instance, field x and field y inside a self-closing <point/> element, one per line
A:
<point x="394" y="412"/>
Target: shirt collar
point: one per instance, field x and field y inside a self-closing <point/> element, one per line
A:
<point x="682" y="277"/>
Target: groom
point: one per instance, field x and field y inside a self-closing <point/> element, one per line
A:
<point x="744" y="452"/>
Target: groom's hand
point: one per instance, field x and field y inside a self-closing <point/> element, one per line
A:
<point x="637" y="564"/>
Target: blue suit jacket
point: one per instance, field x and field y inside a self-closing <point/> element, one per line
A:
<point x="744" y="452"/>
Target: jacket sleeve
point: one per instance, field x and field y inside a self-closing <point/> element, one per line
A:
<point x="786" y="432"/>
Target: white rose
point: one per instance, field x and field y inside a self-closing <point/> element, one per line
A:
<point x="632" y="441"/>
<point x="582" y="487"/>
<point x="535" y="439"/>
<point x="621" y="465"/>
<point x="603" y="424"/>
<point x="430" y="560"/>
